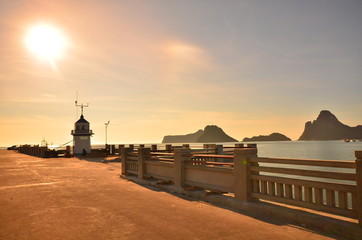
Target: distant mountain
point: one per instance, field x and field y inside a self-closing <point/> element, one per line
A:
<point x="188" y="138"/>
<point x="271" y="137"/>
<point x="328" y="127"/>
<point x="213" y="133"/>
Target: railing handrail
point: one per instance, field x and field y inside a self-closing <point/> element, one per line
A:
<point x="162" y="153"/>
<point x="306" y="162"/>
<point x="306" y="173"/>
<point x="212" y="156"/>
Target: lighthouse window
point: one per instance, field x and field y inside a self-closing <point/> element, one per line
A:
<point x="83" y="138"/>
<point x="77" y="128"/>
<point x="83" y="127"/>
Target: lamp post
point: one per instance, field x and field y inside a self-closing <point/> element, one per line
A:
<point x="107" y="123"/>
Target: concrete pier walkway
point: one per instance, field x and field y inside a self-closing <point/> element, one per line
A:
<point x="68" y="198"/>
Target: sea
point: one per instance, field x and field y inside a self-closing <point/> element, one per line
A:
<point x="325" y="150"/>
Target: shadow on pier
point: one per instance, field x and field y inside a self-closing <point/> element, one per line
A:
<point x="278" y="215"/>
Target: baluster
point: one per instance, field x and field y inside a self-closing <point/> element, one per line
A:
<point x="271" y="188"/>
<point x="298" y="192"/>
<point x="331" y="201"/>
<point x="318" y="196"/>
<point x="288" y="191"/>
<point x="280" y="190"/>
<point x="342" y="199"/>
<point x="308" y="194"/>
<point x="263" y="188"/>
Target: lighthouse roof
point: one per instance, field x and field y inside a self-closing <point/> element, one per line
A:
<point x="82" y="120"/>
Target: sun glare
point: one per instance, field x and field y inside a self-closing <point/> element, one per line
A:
<point x="45" y="41"/>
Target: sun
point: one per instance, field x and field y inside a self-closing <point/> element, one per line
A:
<point x="45" y="41"/>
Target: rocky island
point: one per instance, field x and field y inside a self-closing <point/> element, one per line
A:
<point x="211" y="133"/>
<point x="271" y="137"/>
<point x="188" y="138"/>
<point x="328" y="127"/>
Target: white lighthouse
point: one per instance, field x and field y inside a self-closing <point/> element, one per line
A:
<point x="81" y="136"/>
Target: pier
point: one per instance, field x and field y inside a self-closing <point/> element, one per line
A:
<point x="84" y="198"/>
<point x="71" y="198"/>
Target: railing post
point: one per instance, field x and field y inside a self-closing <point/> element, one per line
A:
<point x="124" y="152"/>
<point x="219" y="149"/>
<point x="242" y="182"/>
<point x="251" y="145"/>
<point x="168" y="147"/>
<point x="239" y="145"/>
<point x="37" y="151"/>
<point x="67" y="152"/>
<point x="154" y="147"/>
<point x="42" y="150"/>
<point x="120" y="146"/>
<point x="359" y="184"/>
<point x="181" y="155"/>
<point x="131" y="146"/>
<point x="107" y="149"/>
<point x="143" y="155"/>
<point x="113" y="149"/>
<point x="32" y="151"/>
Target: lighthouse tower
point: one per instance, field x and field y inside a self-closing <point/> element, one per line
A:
<point x="81" y="136"/>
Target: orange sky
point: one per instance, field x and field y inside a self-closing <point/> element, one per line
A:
<point x="156" y="68"/>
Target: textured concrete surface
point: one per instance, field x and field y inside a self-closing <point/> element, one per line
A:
<point x="85" y="199"/>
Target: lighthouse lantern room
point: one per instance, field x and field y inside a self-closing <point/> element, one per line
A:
<point x="81" y="136"/>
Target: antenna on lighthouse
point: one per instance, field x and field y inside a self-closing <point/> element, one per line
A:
<point x="76" y="102"/>
<point x="82" y="105"/>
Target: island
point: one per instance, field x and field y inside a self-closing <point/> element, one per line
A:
<point x="211" y="133"/>
<point x="271" y="137"/>
<point x="188" y="138"/>
<point x="328" y="127"/>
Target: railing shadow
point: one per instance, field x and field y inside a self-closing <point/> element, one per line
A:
<point x="261" y="210"/>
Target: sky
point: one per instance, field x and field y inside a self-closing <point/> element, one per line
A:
<point x="165" y="67"/>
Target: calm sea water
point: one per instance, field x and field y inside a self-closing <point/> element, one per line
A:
<point x="327" y="150"/>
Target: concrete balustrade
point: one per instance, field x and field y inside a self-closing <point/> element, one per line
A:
<point x="36" y="150"/>
<point x="245" y="176"/>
